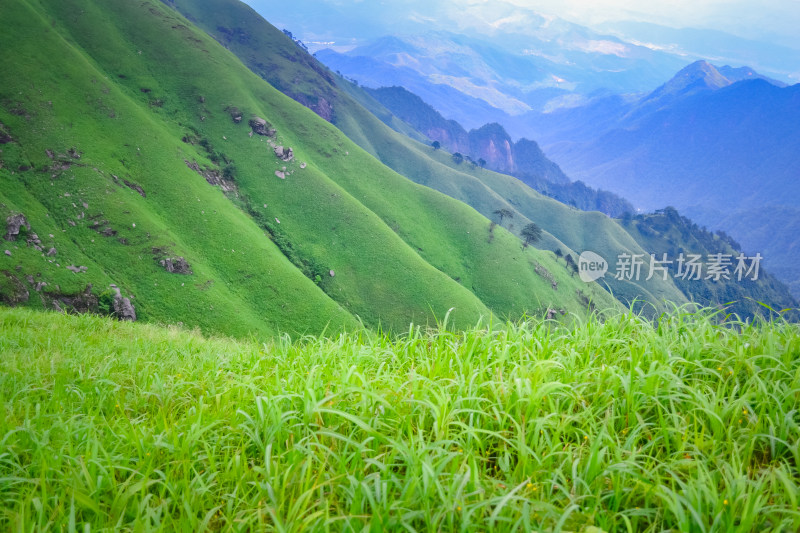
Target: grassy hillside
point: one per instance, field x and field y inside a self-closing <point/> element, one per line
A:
<point x="617" y="426"/>
<point x="150" y="103"/>
<point x="667" y="232"/>
<point x="276" y="58"/>
<point x="69" y="102"/>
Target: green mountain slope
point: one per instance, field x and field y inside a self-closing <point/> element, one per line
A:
<point x="667" y="232"/>
<point x="276" y="58"/>
<point x="160" y="116"/>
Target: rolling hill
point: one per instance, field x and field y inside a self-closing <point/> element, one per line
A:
<point x="224" y="18"/>
<point x="151" y="158"/>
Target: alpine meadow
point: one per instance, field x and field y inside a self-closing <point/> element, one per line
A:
<point x="241" y="290"/>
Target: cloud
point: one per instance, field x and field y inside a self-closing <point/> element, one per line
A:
<point x="766" y="18"/>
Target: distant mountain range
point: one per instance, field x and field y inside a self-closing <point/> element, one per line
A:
<point x="469" y="79"/>
<point x="491" y="146"/>
<point x="696" y="142"/>
<point x="721" y="144"/>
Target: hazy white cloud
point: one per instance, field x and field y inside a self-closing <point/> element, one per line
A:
<point x="748" y="18"/>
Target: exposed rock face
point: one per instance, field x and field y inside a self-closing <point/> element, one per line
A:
<point x="5" y="138"/>
<point x="176" y="265"/>
<point x="123" y="308"/>
<point x="77" y="269"/>
<point x="13" y="225"/>
<point x="213" y="177"/>
<point x="281" y="174"/>
<point x="51" y="252"/>
<point x="135" y="187"/>
<point x="285" y="154"/>
<point x="323" y="108"/>
<point x="82" y="302"/>
<point x="33" y="240"/>
<point x="17" y="293"/>
<point x="102" y="227"/>
<point x="262" y="127"/>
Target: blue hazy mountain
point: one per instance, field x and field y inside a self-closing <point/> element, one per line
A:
<point x="476" y="80"/>
<point x="720" y="144"/>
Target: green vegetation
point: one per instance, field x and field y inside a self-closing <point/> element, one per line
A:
<point x="623" y="425"/>
<point x="667" y="232"/>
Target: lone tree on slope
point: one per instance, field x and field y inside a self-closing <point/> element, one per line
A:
<point x="530" y="233"/>
<point x="436" y="145"/>
<point x="503" y="213"/>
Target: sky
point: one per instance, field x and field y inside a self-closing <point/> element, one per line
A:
<point x="775" y="21"/>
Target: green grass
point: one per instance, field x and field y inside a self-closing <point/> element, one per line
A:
<point x="623" y="425"/>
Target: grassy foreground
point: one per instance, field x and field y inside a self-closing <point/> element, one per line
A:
<point x="621" y="426"/>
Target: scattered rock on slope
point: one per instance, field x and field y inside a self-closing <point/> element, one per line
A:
<point x="135" y="187"/>
<point x="13" y="225"/>
<point x="236" y="115"/>
<point x="214" y="177"/>
<point x="176" y="265"/>
<point x="123" y="308"/>
<point x="262" y="127"/>
<point x="285" y="154"/>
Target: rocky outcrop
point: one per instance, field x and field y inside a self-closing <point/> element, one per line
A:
<point x="34" y="241"/>
<point x="77" y="269"/>
<point x="13" y="225"/>
<point x="103" y="228"/>
<point x="236" y="115"/>
<point x="123" y="308"/>
<point x="81" y="302"/>
<point x="176" y="265"/>
<point x="15" y="292"/>
<point x="135" y="187"/>
<point x="262" y="127"/>
<point x="323" y="108"/>
<point x="285" y="154"/>
<point x="5" y="137"/>
<point x="214" y="177"/>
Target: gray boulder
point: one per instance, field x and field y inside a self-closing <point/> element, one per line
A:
<point x="176" y="265"/>
<point x="123" y="308"/>
<point x="261" y="127"/>
<point x="13" y="225"/>
<point x="285" y="154"/>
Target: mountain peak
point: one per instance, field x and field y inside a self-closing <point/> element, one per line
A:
<point x="697" y="76"/>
